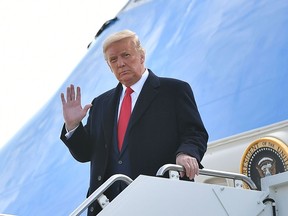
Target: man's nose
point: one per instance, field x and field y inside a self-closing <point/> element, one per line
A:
<point x="120" y="62"/>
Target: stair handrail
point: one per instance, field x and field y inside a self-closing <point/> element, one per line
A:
<point x="97" y="193"/>
<point x="216" y="173"/>
<point x="161" y="171"/>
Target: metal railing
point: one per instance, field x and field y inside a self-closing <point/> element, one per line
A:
<point x="99" y="192"/>
<point x="208" y="172"/>
<point x="103" y="201"/>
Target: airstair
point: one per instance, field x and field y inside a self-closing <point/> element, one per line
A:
<point x="148" y="195"/>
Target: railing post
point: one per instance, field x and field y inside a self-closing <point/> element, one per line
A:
<point x="97" y="193"/>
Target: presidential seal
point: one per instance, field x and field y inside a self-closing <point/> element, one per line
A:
<point x="265" y="156"/>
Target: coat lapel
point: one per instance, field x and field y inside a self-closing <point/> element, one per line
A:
<point x="147" y="95"/>
<point x="110" y="111"/>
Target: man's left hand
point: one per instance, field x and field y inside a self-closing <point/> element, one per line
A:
<point x="190" y="164"/>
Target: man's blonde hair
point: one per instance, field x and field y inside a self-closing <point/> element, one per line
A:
<point x="120" y="36"/>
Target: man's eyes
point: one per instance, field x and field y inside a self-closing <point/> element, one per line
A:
<point x="113" y="60"/>
<point x="124" y="55"/>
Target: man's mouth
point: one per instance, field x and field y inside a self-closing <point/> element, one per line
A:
<point x="123" y="73"/>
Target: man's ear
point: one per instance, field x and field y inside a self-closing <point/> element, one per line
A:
<point x="142" y="58"/>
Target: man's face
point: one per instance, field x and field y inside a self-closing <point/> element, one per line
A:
<point x="125" y="61"/>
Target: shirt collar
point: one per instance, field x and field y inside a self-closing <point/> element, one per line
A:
<point x="137" y="87"/>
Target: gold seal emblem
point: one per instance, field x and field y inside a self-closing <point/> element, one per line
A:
<point x="265" y="156"/>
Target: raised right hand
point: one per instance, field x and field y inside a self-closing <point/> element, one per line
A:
<point x="73" y="112"/>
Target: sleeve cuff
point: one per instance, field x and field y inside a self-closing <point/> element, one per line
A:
<point x="70" y="133"/>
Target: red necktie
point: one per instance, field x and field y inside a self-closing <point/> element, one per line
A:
<point x="124" y="116"/>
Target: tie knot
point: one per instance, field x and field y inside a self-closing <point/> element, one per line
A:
<point x="128" y="91"/>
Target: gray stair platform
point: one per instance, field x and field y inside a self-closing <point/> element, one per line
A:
<point x="160" y="196"/>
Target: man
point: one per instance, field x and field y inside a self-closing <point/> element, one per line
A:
<point x="164" y="126"/>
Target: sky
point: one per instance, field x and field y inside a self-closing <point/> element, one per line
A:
<point x="41" y="42"/>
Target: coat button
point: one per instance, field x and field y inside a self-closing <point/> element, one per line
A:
<point x="120" y="162"/>
<point x="99" y="178"/>
<point x="91" y="209"/>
